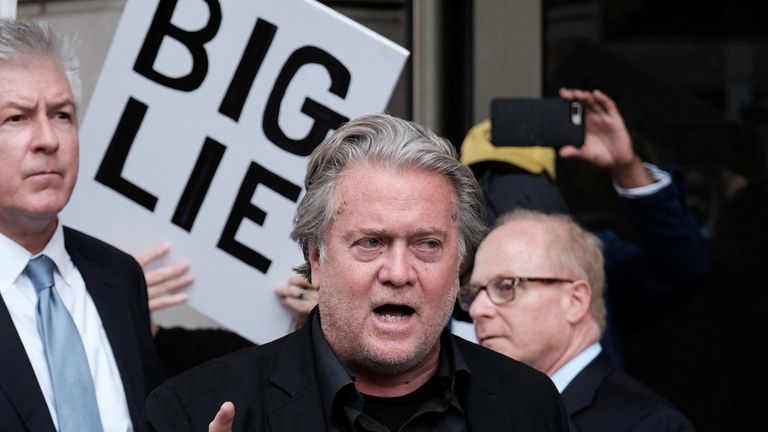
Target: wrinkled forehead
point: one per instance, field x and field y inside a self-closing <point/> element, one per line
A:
<point x="366" y="177"/>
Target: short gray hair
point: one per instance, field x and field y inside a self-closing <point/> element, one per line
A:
<point x="20" y="40"/>
<point x="388" y="142"/>
<point x="574" y="248"/>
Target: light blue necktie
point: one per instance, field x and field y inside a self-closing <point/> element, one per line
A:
<point x="73" y="392"/>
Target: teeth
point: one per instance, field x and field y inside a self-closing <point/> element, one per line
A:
<point x="392" y="318"/>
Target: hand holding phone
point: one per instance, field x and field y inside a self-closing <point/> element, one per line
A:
<point x="607" y="143"/>
<point x="547" y="122"/>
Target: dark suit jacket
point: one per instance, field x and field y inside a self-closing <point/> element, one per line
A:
<point x="601" y="398"/>
<point x="116" y="284"/>
<point x="663" y="265"/>
<point x="181" y="349"/>
<point x="274" y="388"/>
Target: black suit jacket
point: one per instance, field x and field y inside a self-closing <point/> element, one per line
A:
<point x="274" y="388"/>
<point x="601" y="398"/>
<point x="118" y="289"/>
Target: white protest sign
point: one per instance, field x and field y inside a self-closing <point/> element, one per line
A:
<point x="198" y="133"/>
<point x="8" y="9"/>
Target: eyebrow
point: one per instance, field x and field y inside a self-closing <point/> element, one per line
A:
<point x="374" y="232"/>
<point x="431" y="231"/>
<point x="18" y="105"/>
<point x="58" y="104"/>
<point x="65" y="102"/>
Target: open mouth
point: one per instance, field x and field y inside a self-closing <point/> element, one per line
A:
<point x="393" y="312"/>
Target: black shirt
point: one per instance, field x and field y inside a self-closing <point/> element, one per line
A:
<point x="436" y="405"/>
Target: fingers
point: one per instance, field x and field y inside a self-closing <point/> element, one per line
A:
<point x="604" y="101"/>
<point x="292" y="295"/>
<point x="297" y="287"/>
<point x="167" y="300"/>
<point x="576" y="94"/>
<point x="169" y="278"/>
<point x="300" y="307"/>
<point x="569" y="151"/>
<point x="595" y="101"/>
<point x="224" y="418"/>
<point x="298" y="295"/>
<point x="164" y="283"/>
<point x="148" y="256"/>
<point x="299" y="280"/>
<point x="295" y="291"/>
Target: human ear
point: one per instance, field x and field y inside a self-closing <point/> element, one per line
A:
<point x="579" y="300"/>
<point x="314" y="265"/>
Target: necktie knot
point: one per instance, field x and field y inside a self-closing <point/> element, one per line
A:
<point x="40" y="272"/>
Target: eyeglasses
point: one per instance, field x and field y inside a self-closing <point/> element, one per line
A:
<point x="500" y="289"/>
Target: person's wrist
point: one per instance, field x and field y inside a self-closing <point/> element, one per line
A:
<point x="631" y="174"/>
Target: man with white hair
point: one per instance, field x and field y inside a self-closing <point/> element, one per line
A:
<point x="75" y="342"/>
<point x="536" y="295"/>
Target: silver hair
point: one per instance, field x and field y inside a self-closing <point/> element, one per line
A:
<point x="574" y="248"/>
<point x="388" y="142"/>
<point x="21" y="40"/>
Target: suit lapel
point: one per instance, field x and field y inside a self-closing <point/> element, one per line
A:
<point x="114" y="313"/>
<point x="293" y="400"/>
<point x="485" y="409"/>
<point x="17" y="378"/>
<point x="580" y="392"/>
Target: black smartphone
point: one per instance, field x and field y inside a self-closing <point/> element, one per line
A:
<point x="547" y="122"/>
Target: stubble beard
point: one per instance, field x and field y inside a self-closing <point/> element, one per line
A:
<point x="356" y="353"/>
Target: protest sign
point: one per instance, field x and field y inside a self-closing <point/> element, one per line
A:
<point x="198" y="133"/>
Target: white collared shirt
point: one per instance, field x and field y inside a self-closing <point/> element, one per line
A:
<point x="20" y="298"/>
<point x="661" y="179"/>
<point x="563" y="376"/>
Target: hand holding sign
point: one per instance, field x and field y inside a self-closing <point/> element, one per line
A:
<point x="164" y="284"/>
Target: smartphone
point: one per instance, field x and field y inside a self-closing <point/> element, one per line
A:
<point x="547" y="122"/>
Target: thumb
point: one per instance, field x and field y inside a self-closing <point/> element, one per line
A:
<point x="224" y="418"/>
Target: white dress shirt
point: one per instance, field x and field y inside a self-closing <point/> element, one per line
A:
<point x="563" y="376"/>
<point x="661" y="179"/>
<point x="20" y="298"/>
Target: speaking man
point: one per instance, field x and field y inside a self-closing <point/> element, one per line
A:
<point x="388" y="216"/>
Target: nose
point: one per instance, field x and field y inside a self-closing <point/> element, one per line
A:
<point x="397" y="269"/>
<point x="482" y="307"/>
<point x="45" y="139"/>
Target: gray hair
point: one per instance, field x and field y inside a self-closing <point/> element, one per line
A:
<point x="388" y="142"/>
<point x="20" y="40"/>
<point x="574" y="248"/>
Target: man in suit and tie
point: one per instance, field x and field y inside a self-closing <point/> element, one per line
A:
<point x="388" y="216"/>
<point x="536" y="295"/>
<point x="75" y="340"/>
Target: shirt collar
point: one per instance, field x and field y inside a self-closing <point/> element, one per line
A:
<point x="331" y="375"/>
<point x="15" y="258"/>
<point x="453" y="370"/>
<point x="563" y="376"/>
<point x="336" y="383"/>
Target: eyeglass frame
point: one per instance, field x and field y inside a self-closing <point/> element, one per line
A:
<point x="475" y="289"/>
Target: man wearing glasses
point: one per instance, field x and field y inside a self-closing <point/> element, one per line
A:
<point x="536" y="295"/>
